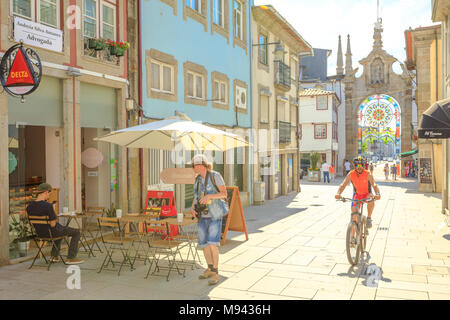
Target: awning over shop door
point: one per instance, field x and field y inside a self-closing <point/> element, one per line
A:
<point x="435" y="121"/>
<point x="409" y="153"/>
<point x="44" y="107"/>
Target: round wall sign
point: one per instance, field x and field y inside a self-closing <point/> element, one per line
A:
<point x="91" y="158"/>
<point x="20" y="70"/>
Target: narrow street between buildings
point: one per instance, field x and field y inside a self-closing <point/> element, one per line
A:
<point x="296" y="250"/>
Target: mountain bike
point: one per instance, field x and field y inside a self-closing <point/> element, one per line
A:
<point x="357" y="232"/>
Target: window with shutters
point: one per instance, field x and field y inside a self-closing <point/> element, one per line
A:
<point x="264" y="109"/>
<point x="320" y="131"/>
<point x="322" y="102"/>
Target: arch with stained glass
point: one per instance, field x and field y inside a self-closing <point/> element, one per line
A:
<point x="379" y="123"/>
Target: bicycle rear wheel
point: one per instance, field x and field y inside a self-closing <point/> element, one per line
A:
<point x="353" y="247"/>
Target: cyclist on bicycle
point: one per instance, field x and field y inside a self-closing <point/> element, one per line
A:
<point x="363" y="183"/>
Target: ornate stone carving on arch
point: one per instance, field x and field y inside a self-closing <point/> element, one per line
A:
<point x="377" y="71"/>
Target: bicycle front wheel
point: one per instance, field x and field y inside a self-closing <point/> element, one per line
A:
<point x="353" y="245"/>
<point x="363" y="234"/>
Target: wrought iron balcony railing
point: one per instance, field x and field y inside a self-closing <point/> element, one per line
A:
<point x="282" y="75"/>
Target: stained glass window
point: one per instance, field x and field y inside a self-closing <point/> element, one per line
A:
<point x="379" y="119"/>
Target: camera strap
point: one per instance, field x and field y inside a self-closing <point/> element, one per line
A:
<point x="210" y="176"/>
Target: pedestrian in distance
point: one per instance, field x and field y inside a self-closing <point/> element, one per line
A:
<point x="40" y="207"/>
<point x="209" y="206"/>
<point x="326" y="172"/>
<point x="386" y="171"/>
<point x="332" y="173"/>
<point x="348" y="167"/>
<point x="371" y="166"/>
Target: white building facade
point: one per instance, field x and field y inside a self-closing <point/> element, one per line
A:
<point x="319" y="123"/>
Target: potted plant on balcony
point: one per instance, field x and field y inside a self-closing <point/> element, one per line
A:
<point x="314" y="171"/>
<point x="23" y="233"/>
<point x="118" y="48"/>
<point x="97" y="44"/>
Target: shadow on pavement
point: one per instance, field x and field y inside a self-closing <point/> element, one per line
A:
<point x="446" y="236"/>
<point x="365" y="270"/>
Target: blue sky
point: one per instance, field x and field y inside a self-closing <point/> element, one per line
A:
<point x="320" y="22"/>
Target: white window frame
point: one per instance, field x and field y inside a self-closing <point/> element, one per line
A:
<point x="114" y="8"/>
<point x="32" y="12"/>
<point x="36" y="13"/>
<point x="324" y="133"/>
<point x="225" y="98"/>
<point x="194" y="85"/>
<point x="216" y="10"/>
<point x="322" y="107"/>
<point x="191" y="5"/>
<point x="241" y="33"/>
<point x="83" y="15"/>
<point x="161" y="77"/>
<point x="99" y="18"/>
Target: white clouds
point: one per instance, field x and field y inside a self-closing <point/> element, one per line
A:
<point x="320" y="22"/>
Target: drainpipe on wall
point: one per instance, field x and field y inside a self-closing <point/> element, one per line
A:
<point x="250" y="105"/>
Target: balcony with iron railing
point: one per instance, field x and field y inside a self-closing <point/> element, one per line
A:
<point x="282" y="76"/>
<point x="103" y="54"/>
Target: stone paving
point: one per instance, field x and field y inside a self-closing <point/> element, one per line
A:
<point x="296" y="250"/>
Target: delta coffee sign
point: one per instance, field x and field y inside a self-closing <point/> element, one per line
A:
<point x="20" y="71"/>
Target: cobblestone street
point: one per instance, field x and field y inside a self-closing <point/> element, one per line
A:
<point x="296" y="250"/>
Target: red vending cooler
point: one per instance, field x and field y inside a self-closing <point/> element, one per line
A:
<point x="162" y="203"/>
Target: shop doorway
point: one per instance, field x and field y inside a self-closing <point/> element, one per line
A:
<point x="99" y="170"/>
<point x="290" y="173"/>
<point x="34" y="157"/>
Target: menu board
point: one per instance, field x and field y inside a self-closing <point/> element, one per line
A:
<point x="425" y="173"/>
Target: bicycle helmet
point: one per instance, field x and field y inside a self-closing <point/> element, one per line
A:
<point x="358" y="160"/>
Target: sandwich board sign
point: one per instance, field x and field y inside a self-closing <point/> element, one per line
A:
<point x="20" y="71"/>
<point x="235" y="220"/>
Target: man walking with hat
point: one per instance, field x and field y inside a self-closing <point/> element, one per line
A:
<point x="40" y="207"/>
<point x="209" y="207"/>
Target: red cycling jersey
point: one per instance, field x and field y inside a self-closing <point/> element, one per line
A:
<point x="360" y="182"/>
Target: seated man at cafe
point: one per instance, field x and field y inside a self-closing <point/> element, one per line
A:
<point x="40" y="207"/>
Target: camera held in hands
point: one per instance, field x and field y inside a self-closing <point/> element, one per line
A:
<point x="201" y="209"/>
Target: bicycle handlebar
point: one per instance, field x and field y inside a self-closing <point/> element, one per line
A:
<point x="355" y="200"/>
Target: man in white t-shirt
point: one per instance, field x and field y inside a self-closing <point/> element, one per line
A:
<point x="326" y="171"/>
<point x="348" y="167"/>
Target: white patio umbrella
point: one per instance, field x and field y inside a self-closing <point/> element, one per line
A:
<point x="175" y="133"/>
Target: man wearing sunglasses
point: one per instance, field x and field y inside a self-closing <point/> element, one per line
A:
<point x="363" y="183"/>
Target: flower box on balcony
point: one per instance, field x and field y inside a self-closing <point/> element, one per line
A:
<point x="117" y="48"/>
<point x="97" y="44"/>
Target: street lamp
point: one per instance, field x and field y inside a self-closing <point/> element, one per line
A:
<point x="279" y="52"/>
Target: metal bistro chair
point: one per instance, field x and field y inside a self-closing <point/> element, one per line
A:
<point x="161" y="245"/>
<point x="41" y="241"/>
<point x="189" y="235"/>
<point x="114" y="239"/>
<point x="93" y="229"/>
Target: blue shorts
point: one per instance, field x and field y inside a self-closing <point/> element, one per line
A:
<point x="209" y="232"/>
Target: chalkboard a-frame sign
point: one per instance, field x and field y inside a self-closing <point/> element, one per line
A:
<point x="20" y="71"/>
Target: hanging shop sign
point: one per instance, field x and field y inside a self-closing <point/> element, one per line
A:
<point x="20" y="71"/>
<point x="38" y="35"/>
